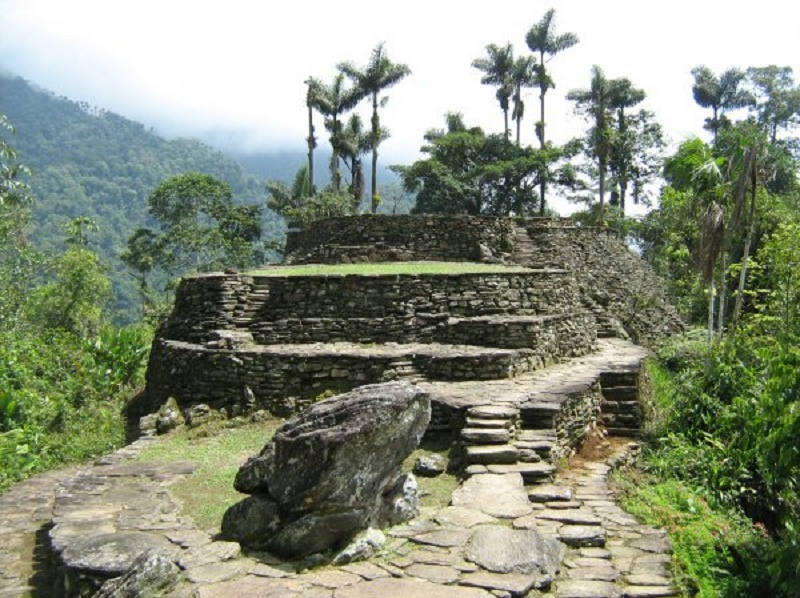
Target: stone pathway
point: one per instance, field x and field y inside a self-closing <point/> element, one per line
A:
<point x="105" y="514"/>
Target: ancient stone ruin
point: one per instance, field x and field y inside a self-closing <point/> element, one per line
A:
<point x="514" y="367"/>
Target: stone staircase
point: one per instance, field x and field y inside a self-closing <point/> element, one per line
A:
<point x="621" y="410"/>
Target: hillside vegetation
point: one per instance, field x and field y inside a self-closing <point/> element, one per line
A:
<point x="92" y="163"/>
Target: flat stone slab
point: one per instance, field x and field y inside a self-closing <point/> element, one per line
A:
<point x="649" y="591"/>
<point x="461" y="517"/>
<point x="518" y="584"/>
<point x="445" y="538"/>
<point x="111" y="555"/>
<point x="485" y="435"/>
<point x="569" y="516"/>
<point x="408" y="588"/>
<point x="492" y="453"/>
<point x="498" y="495"/>
<point x="586" y="589"/>
<point x="503" y="550"/>
<point x="435" y="573"/>
<point x="582" y="535"/>
<point x="215" y="572"/>
<point x="492" y="412"/>
<point x="550" y="492"/>
<point x="366" y="570"/>
<point x="530" y="472"/>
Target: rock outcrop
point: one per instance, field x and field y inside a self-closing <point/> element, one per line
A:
<point x="331" y="471"/>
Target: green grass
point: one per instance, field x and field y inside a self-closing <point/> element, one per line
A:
<point x="208" y="492"/>
<point x="385" y="268"/>
<point x="435" y="491"/>
<point x="709" y="544"/>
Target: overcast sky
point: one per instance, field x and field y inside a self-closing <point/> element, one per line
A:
<point x="236" y="68"/>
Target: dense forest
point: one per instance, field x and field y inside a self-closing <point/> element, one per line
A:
<point x="90" y="163"/>
<point x="720" y="469"/>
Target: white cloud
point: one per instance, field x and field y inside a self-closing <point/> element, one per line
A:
<point x="190" y="67"/>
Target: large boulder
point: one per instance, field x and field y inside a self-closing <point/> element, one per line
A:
<point x="331" y="471"/>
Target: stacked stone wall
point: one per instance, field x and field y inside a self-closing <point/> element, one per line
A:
<point x="611" y="279"/>
<point x="396" y="308"/>
<point x="376" y="238"/>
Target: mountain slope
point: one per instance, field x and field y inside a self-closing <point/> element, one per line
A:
<point x="89" y="162"/>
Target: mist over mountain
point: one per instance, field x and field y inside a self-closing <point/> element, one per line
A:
<point x="90" y="162"/>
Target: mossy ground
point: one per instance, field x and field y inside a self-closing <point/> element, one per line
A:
<point x="385" y="268"/>
<point x="208" y="492"/>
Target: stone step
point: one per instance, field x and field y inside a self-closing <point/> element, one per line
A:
<point x="536" y="435"/>
<point x="492" y="412"/>
<point x="541" y="448"/>
<point x="531" y="472"/>
<point x="477" y="422"/>
<point x="628" y="392"/>
<point x="547" y="493"/>
<point x="614" y="378"/>
<point x="621" y="406"/>
<point x="569" y="516"/>
<point x="476" y="436"/>
<point x="491" y="454"/>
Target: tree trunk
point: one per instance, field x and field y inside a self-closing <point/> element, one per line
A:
<point x="311" y="144"/>
<point x="335" y="177"/>
<point x="711" y="310"/>
<point x="375" y="129"/>
<point x="505" y="123"/>
<point x="519" y="122"/>
<point x="723" y="295"/>
<point x="714" y="124"/>
<point x="540" y="135"/>
<point x="602" y="190"/>
<point x="737" y="309"/>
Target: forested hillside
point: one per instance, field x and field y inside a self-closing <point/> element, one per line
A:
<point x="87" y="162"/>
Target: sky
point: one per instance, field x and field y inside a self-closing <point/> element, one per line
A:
<point x="232" y="72"/>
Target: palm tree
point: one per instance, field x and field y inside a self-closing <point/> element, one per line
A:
<point x="542" y="40"/>
<point x="522" y="75"/>
<point x="380" y="73"/>
<point x="594" y="103"/>
<point x="355" y="142"/>
<point x="719" y="93"/>
<point x="623" y="95"/>
<point x="332" y="100"/>
<point x="497" y="68"/>
<point x="312" y="91"/>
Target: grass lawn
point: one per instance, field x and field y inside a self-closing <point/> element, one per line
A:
<point x="208" y="492"/>
<point x="385" y="268"/>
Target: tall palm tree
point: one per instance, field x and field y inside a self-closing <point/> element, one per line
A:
<point x="380" y="73"/>
<point x="312" y="91"/>
<point x="595" y="103"/>
<point x="522" y="75"/>
<point x="542" y="40"/>
<point x="623" y="95"/>
<point x="497" y="68"/>
<point x="331" y="101"/>
<point x="719" y="93"/>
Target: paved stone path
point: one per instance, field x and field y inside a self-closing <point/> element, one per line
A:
<point x="104" y="514"/>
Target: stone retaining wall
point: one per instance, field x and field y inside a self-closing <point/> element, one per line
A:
<point x="390" y="308"/>
<point x="377" y="238"/>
